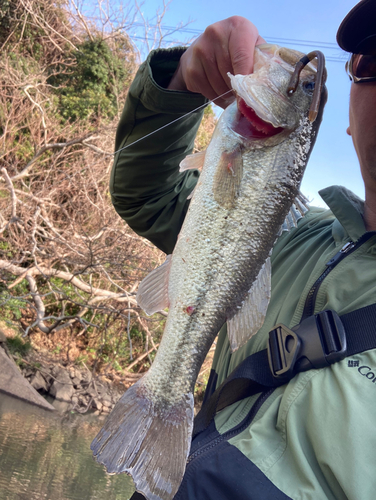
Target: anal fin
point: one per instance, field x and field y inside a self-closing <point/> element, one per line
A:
<point x="250" y="318"/>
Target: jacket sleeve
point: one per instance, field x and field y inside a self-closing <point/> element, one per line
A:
<point x="147" y="190"/>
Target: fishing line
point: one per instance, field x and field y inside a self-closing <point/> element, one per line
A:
<point x="171" y="123"/>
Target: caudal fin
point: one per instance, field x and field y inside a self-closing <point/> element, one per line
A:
<point x="147" y="441"/>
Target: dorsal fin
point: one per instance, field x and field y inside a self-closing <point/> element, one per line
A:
<point x="297" y="211"/>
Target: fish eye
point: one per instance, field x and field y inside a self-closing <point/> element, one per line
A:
<point x="309" y="85"/>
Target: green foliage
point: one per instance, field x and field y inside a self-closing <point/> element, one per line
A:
<point x="7" y="8"/>
<point x="5" y="249"/>
<point x="13" y="23"/>
<point x="208" y="111"/>
<point x="57" y="349"/>
<point x="11" y="308"/>
<point x="206" y="129"/>
<point x="91" y="87"/>
<point x="18" y="346"/>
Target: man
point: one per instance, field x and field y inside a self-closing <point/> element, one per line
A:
<point x="313" y="437"/>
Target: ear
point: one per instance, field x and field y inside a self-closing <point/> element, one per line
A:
<point x="348" y="131"/>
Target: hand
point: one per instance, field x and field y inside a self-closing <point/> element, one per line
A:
<point x="225" y="46"/>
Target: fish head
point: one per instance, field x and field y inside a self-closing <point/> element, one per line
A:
<point x="265" y="107"/>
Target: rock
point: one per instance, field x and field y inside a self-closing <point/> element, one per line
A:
<point x="13" y="383"/>
<point x="62" y="406"/>
<point x="97" y="405"/>
<point x="28" y="372"/>
<point x="99" y="387"/>
<point x="62" y="388"/>
<point x="83" y="400"/>
<point x="92" y="392"/>
<point x="86" y="378"/>
<point x="39" y="382"/>
<point x="115" y="397"/>
<point x="2" y="336"/>
<point x="106" y="400"/>
<point x="76" y="381"/>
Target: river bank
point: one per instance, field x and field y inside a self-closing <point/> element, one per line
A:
<point x="79" y="389"/>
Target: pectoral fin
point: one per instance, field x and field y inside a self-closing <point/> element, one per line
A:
<point x="250" y="317"/>
<point x="152" y="293"/>
<point x="195" y="161"/>
<point x="228" y="177"/>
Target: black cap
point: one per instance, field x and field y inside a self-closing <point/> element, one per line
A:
<point x="358" y="25"/>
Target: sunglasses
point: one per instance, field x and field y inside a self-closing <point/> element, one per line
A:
<point x="361" y="67"/>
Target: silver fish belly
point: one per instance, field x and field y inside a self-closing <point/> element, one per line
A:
<point x="220" y="268"/>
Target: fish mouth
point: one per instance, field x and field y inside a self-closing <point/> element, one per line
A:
<point x="250" y="125"/>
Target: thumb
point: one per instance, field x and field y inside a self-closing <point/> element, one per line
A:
<point x="241" y="47"/>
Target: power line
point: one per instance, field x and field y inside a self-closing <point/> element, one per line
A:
<point x="314" y="44"/>
<point x="328" y="58"/>
<point x="329" y="45"/>
<point x="192" y="31"/>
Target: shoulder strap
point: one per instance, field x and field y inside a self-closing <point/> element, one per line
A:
<point x="318" y="341"/>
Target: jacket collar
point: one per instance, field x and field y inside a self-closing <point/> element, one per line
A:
<point x="348" y="210"/>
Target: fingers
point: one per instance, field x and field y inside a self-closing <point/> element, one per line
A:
<point x="243" y="38"/>
<point x="226" y="46"/>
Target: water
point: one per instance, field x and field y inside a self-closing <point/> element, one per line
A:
<point x="44" y="455"/>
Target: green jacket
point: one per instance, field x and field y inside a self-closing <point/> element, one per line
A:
<point x="313" y="437"/>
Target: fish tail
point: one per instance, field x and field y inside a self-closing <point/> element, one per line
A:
<point x="147" y="440"/>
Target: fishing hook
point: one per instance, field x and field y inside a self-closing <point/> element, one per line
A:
<point x="320" y="78"/>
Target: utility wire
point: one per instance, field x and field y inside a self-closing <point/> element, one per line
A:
<point x="341" y="57"/>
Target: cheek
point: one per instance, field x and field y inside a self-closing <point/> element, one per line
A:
<point x="359" y="112"/>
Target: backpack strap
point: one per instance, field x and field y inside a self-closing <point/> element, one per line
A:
<point x="318" y="341"/>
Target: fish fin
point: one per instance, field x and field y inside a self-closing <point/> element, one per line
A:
<point x="149" y="443"/>
<point x="152" y="294"/>
<point x="250" y="318"/>
<point x="195" y="161"/>
<point x="297" y="211"/>
<point x="228" y="177"/>
<point x="192" y="193"/>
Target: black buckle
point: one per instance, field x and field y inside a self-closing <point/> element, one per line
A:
<point x="318" y="341"/>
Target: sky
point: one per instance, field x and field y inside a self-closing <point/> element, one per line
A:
<point x="304" y="26"/>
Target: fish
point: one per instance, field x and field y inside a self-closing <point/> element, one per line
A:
<point x="248" y="192"/>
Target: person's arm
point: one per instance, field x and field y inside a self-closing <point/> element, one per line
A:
<point x="146" y="187"/>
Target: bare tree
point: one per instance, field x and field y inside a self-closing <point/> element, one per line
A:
<point x="68" y="263"/>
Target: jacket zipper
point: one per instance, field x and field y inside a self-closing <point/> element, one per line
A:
<point x="346" y="250"/>
<point x="236" y="430"/>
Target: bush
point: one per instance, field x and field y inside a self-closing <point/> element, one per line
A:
<point x="98" y="76"/>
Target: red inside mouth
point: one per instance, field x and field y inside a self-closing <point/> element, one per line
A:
<point x="250" y="125"/>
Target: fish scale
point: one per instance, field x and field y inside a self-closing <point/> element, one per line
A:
<point x="219" y="270"/>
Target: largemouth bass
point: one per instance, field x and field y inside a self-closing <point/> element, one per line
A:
<point x="220" y="269"/>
